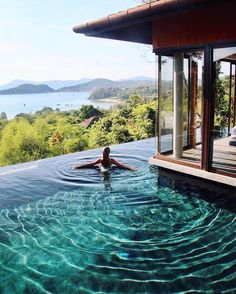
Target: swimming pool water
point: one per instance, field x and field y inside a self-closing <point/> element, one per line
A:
<point x="72" y="231"/>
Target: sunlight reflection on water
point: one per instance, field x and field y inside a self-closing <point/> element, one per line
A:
<point x="70" y="233"/>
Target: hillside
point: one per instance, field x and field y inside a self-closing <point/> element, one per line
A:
<point x="123" y="93"/>
<point x="89" y="86"/>
<point x="105" y="83"/>
<point x="58" y="84"/>
<point x="83" y="85"/>
<point x="27" y="89"/>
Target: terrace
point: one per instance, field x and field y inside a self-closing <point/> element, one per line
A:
<point x="195" y="45"/>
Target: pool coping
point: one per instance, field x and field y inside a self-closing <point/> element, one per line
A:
<point x="204" y="175"/>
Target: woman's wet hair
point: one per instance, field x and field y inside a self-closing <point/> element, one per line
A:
<point x="106" y="150"/>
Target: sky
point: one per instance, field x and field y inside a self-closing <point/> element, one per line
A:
<point x="37" y="42"/>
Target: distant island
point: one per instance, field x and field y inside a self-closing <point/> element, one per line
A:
<point x="54" y="84"/>
<point x="86" y="86"/>
<point x="27" y="89"/>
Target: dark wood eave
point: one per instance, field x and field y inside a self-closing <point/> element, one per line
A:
<point x="231" y="58"/>
<point x="135" y="24"/>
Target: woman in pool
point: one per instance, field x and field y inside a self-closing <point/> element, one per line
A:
<point x="106" y="162"/>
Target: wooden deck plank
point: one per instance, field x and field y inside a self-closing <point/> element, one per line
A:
<point x="224" y="155"/>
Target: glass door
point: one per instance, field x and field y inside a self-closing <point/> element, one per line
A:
<point x="224" y="140"/>
<point x="180" y="97"/>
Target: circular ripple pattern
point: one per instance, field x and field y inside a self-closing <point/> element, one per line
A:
<point x="124" y="234"/>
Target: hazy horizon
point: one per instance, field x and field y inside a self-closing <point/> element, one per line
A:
<point x="83" y="78"/>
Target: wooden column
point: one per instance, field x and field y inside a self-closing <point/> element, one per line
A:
<point x="159" y="106"/>
<point x="207" y="111"/>
<point x="234" y="108"/>
<point x="230" y="99"/>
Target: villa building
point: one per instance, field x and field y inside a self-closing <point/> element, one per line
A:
<point x="194" y="41"/>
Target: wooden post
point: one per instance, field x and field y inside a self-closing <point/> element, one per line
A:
<point x="234" y="108"/>
<point x="230" y="98"/>
<point x="207" y="111"/>
<point x="159" y="106"/>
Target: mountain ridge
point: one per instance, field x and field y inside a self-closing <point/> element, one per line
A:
<point x="58" y="84"/>
<point x="82" y="87"/>
<point x="106" y="83"/>
<point x="54" y="84"/>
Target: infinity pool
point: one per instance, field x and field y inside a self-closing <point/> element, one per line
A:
<point x="71" y="231"/>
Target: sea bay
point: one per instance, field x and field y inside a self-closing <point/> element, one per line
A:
<point x="30" y="103"/>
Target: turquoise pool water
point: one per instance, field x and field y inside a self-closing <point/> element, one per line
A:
<point x="69" y="231"/>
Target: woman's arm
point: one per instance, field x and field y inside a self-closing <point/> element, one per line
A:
<point x="121" y="165"/>
<point x="89" y="164"/>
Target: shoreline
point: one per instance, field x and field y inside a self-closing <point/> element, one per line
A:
<point x="30" y="103"/>
<point x="110" y="100"/>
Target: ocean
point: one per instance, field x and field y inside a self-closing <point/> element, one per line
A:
<point x="30" y="103"/>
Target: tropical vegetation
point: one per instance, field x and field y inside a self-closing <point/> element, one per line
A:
<point x="51" y="132"/>
<point x="148" y="92"/>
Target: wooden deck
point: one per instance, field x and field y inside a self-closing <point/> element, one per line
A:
<point x="224" y="155"/>
<point x="224" y="158"/>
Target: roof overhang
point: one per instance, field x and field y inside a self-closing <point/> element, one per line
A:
<point x="135" y="24"/>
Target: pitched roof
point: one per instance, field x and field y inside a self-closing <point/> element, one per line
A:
<point x="87" y="123"/>
<point x="135" y="24"/>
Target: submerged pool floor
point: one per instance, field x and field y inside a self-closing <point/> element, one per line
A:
<point x="72" y="231"/>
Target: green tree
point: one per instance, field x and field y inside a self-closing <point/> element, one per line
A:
<point x="135" y="100"/>
<point x="87" y="111"/>
<point x="221" y="99"/>
<point x="99" y="133"/>
<point x="67" y="138"/>
<point x="3" y="116"/>
<point x="142" y="122"/>
<point x="18" y="143"/>
<point x="119" y="132"/>
<point x="44" y="111"/>
<point x="27" y="116"/>
<point x="3" y="121"/>
<point x="42" y="135"/>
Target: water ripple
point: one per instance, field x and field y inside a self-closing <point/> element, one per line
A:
<point x="124" y="234"/>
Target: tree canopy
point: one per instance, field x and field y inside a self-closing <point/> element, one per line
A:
<point x="50" y="133"/>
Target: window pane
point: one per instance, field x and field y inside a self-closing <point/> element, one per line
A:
<point x="166" y="104"/>
<point x="224" y="151"/>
